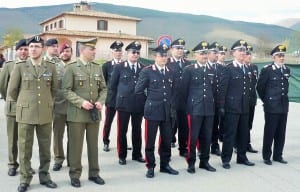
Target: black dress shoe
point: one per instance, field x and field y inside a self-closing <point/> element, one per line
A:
<point x="168" y="169"/>
<point x="106" y="148"/>
<point x="245" y="162"/>
<point x="49" y="184"/>
<point x="32" y="171"/>
<point x="139" y="159"/>
<point x="150" y="173"/>
<point x="183" y="153"/>
<point x="226" y="165"/>
<point x="281" y="161"/>
<point x="23" y="187"/>
<point x="268" y="162"/>
<point x="216" y="152"/>
<point x="75" y="182"/>
<point x="207" y="166"/>
<point x="251" y="150"/>
<point x="191" y="169"/>
<point x="173" y="144"/>
<point x="57" y="166"/>
<point x="98" y="180"/>
<point x="12" y="171"/>
<point x="122" y="161"/>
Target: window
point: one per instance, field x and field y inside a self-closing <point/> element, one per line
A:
<point x="102" y="25"/>
<point x="46" y="28"/>
<point x="55" y="25"/>
<point x="61" y="24"/>
<point x="51" y="26"/>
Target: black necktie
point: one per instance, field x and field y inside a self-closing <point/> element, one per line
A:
<point x="162" y="71"/>
<point x="180" y="64"/>
<point x="215" y="66"/>
<point x="243" y="68"/>
<point x="132" y="68"/>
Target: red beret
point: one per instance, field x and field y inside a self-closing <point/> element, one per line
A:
<point x="64" y="46"/>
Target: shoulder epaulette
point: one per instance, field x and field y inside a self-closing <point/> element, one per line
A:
<point x="73" y="62"/>
<point x="229" y="64"/>
<point x="267" y="65"/>
<point x="148" y="66"/>
<point x="192" y="65"/>
<point x="46" y="60"/>
<point x="94" y="63"/>
<point x="17" y="62"/>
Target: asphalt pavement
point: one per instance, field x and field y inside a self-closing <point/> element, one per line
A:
<point x="131" y="177"/>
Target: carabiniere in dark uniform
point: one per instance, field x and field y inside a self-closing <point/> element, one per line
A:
<point x="158" y="81"/>
<point x="128" y="104"/>
<point x="218" y="70"/>
<point x="234" y="97"/>
<point x="253" y="97"/>
<point x="110" y="102"/>
<point x="198" y="87"/>
<point x="272" y="88"/>
<point x="178" y="108"/>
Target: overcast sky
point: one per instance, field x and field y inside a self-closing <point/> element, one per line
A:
<point x="262" y="11"/>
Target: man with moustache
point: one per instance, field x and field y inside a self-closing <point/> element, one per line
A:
<point x="158" y="82"/>
<point x="60" y="109"/>
<point x="198" y="87"/>
<point x="110" y="102"/>
<point x="33" y="85"/>
<point x="128" y="104"/>
<point x="84" y="89"/>
<point x="272" y="88"/>
<point x="10" y="107"/>
<point x="234" y="106"/>
<point x="176" y="63"/>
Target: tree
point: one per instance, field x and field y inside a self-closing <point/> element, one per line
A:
<point x="11" y="36"/>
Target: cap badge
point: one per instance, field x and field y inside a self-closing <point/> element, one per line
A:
<point x="281" y="48"/>
<point x="37" y="38"/>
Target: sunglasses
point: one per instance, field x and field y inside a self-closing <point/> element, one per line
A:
<point x="135" y="52"/>
<point x="248" y="53"/>
<point x="280" y="55"/>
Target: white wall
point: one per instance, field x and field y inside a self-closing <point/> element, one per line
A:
<point x="90" y="24"/>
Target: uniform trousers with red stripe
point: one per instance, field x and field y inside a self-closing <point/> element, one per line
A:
<point x="200" y="128"/>
<point x="164" y="148"/>
<point x="109" y="117"/>
<point x="136" y="133"/>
